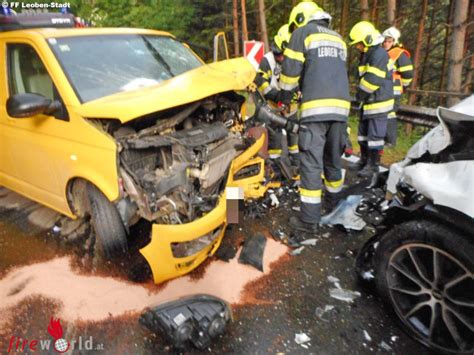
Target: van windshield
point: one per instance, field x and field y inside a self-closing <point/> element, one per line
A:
<point x="102" y="65"/>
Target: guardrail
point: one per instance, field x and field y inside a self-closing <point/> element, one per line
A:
<point x="418" y="115"/>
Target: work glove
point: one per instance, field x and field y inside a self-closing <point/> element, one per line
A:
<point x="285" y="97"/>
<point x="362" y="96"/>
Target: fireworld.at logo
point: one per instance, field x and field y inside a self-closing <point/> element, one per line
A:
<point x="60" y="345"/>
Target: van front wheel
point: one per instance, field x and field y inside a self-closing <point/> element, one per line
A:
<point x="110" y="234"/>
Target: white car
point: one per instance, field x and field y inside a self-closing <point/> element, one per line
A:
<point x="422" y="261"/>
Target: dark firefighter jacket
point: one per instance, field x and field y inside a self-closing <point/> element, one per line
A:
<point x="375" y="89"/>
<point x="315" y="59"/>
<point x="268" y="75"/>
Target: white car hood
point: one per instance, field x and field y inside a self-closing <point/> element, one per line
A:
<point x="448" y="184"/>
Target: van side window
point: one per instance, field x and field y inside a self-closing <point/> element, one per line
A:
<point x="27" y="73"/>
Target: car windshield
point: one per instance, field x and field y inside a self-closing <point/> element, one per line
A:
<point x="97" y="66"/>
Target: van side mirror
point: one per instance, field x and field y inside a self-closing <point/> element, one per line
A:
<point x="28" y="105"/>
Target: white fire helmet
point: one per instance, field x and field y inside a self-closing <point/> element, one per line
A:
<point x="393" y="33"/>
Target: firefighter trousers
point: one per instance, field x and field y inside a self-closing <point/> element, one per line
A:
<point x="372" y="132"/>
<point x="321" y="145"/>
<point x="392" y="127"/>
<point x="275" y="143"/>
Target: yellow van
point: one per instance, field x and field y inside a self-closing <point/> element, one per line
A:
<point x="125" y="125"/>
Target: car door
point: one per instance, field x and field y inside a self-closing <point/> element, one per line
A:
<point x="30" y="145"/>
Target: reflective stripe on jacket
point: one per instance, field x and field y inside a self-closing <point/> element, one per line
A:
<point x="375" y="83"/>
<point x="268" y="75"/>
<point x="315" y="60"/>
<point x="402" y="67"/>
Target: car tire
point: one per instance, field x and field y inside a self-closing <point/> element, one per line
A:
<point x="434" y="307"/>
<point x="110" y="234"/>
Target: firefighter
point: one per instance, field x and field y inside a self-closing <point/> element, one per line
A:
<point x="315" y="61"/>
<point x="401" y="64"/>
<point x="374" y="94"/>
<point x="267" y="80"/>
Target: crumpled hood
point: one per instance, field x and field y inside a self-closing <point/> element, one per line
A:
<point x="194" y="85"/>
<point x="449" y="184"/>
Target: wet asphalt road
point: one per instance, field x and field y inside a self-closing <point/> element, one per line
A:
<point x="285" y="301"/>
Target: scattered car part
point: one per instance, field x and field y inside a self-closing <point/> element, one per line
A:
<point x="296" y="251"/>
<point x="252" y="251"/>
<point x="343" y="294"/>
<point x="194" y="320"/>
<point x="301" y="338"/>
<point x="309" y="242"/>
<point x="226" y="252"/>
<point x="320" y="312"/>
<point x="370" y="208"/>
<point x="345" y="214"/>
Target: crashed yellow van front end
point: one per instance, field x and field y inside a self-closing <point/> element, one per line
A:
<point x="167" y="253"/>
<point x="156" y="141"/>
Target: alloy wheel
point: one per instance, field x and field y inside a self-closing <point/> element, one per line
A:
<point x="432" y="292"/>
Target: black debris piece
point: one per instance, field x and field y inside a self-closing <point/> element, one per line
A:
<point x="226" y="252"/>
<point x="252" y="251"/>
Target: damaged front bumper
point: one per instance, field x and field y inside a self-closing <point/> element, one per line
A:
<point x="177" y="249"/>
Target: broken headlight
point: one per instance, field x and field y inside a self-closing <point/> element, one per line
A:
<point x="184" y="249"/>
<point x="192" y="320"/>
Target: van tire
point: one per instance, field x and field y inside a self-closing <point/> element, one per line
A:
<point x="110" y="234"/>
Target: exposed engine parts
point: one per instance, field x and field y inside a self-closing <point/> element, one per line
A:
<point x="174" y="165"/>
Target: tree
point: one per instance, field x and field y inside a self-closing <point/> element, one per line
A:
<point x="444" y="64"/>
<point x="245" y="33"/>
<point x="344" y="17"/>
<point x="375" y="14"/>
<point x="263" y="23"/>
<point x="424" y="67"/>
<point x="391" y="9"/>
<point x="235" y="26"/>
<point x="364" y="10"/>
<point x="419" y="45"/>
<point x="457" y="49"/>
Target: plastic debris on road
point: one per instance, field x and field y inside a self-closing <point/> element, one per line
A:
<point x="320" y="312"/>
<point x="279" y="235"/>
<point x="309" y="242"/>
<point x="367" y="336"/>
<point x="345" y="214"/>
<point x="383" y="345"/>
<point x="296" y="251"/>
<point x="301" y="338"/>
<point x="274" y="200"/>
<point x="368" y="275"/>
<point x="334" y="280"/>
<point x="343" y="294"/>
